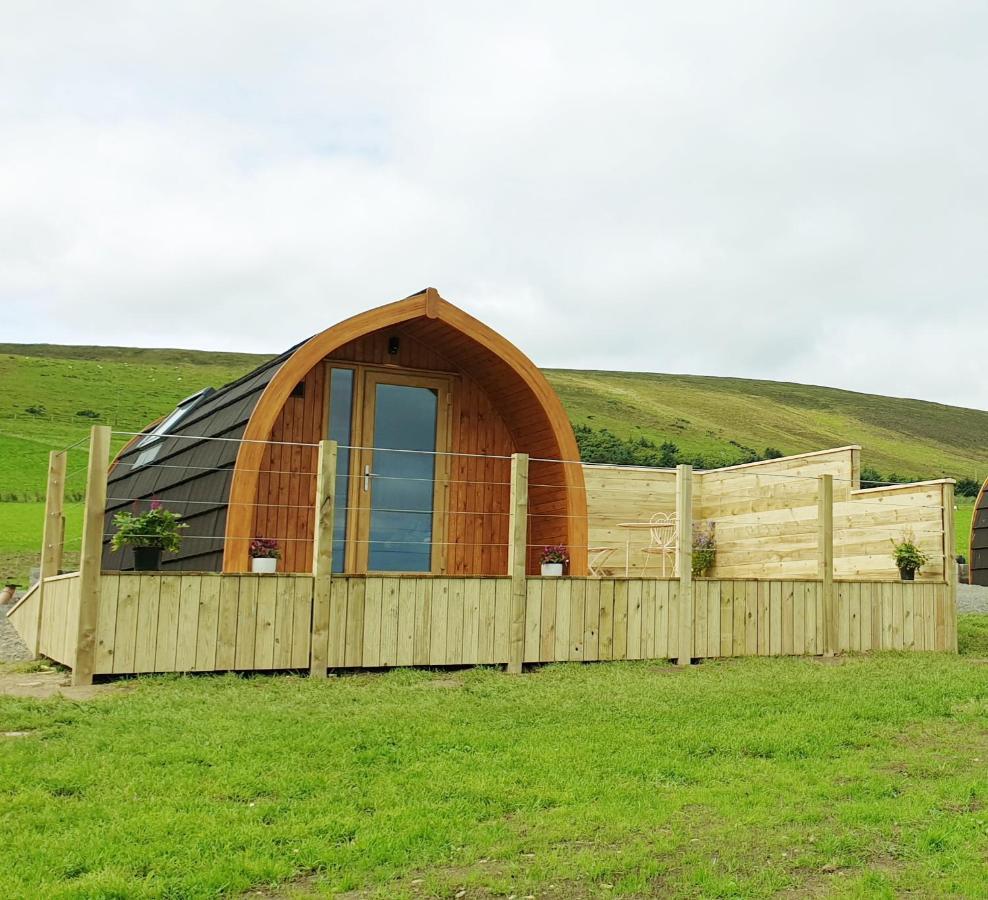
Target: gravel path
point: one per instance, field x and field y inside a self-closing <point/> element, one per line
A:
<point x="12" y="648"/>
<point x="972" y="598"/>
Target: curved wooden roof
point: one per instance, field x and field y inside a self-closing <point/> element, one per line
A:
<point x="530" y="407"/>
<point x="978" y="557"/>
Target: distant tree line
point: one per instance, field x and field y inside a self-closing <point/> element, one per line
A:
<point x="602" y="446"/>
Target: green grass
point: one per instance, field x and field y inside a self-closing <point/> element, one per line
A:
<point x="20" y="547"/>
<point x="128" y="387"/>
<point x="702" y="415"/>
<point x="735" y="779"/>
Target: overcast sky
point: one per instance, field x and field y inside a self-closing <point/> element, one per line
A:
<point x="791" y="191"/>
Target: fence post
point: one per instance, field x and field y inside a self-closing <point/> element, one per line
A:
<point x="684" y="553"/>
<point x="322" y="558"/>
<point x="517" y="560"/>
<point x="91" y="559"/>
<point x="950" y="567"/>
<point x="825" y="560"/>
<point x="54" y="533"/>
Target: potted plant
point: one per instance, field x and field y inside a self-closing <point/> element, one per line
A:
<point x="264" y="556"/>
<point x="553" y="560"/>
<point x="149" y="534"/>
<point x="908" y="557"/>
<point x="704" y="548"/>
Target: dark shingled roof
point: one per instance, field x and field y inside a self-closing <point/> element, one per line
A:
<point x="979" y="540"/>
<point x="191" y="477"/>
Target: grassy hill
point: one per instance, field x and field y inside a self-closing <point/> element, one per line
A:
<point x="52" y="394"/>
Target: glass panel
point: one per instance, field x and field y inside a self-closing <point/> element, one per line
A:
<point x="340" y="415"/>
<point x="402" y="486"/>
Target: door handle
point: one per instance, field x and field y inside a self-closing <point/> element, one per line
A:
<point x="367" y="478"/>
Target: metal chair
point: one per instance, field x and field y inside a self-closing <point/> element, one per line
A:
<point x="663" y="537"/>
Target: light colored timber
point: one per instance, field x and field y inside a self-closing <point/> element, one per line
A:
<point x="322" y="563"/>
<point x="684" y="521"/>
<point x="825" y="550"/>
<point x="54" y="533"/>
<point x="154" y="622"/>
<point x="517" y="555"/>
<point x="92" y="555"/>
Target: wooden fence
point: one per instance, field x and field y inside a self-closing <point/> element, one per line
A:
<point x="208" y="622"/>
<point x="117" y="623"/>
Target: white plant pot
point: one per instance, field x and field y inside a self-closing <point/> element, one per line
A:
<point x="552" y="570"/>
<point x="264" y="565"/>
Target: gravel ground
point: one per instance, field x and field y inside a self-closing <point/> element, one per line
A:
<point x="972" y="598"/>
<point x="12" y="648"/>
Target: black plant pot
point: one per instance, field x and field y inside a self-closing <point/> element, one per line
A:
<point x="147" y="559"/>
<point x="907" y="574"/>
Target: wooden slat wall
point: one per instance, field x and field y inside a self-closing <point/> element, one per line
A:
<point x="203" y="623"/>
<point x="766" y="517"/>
<point x="209" y="622"/>
<point x="477" y="498"/>
<point x="616" y="495"/>
<point x="59" y="618"/>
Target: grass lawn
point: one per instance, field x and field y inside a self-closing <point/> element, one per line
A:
<point x="20" y="538"/>
<point x="867" y="777"/>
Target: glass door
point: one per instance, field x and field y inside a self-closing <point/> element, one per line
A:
<point x="400" y="498"/>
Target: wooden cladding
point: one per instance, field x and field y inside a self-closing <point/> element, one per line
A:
<point x="475" y="484"/>
<point x="206" y="622"/>
<point x="502" y="404"/>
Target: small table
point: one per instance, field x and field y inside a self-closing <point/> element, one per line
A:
<point x="643" y="526"/>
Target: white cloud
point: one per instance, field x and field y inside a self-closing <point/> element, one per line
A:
<point x="770" y="190"/>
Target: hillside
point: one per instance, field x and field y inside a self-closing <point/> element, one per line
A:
<point x="51" y="394"/>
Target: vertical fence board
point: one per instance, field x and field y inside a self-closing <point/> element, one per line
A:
<point x="373" y="612"/>
<point x="284" y="619"/>
<point x="547" y="628"/>
<point x="188" y="623"/>
<point x="897" y="616"/>
<point x="423" y="621"/>
<point x="620" y="641"/>
<point x="486" y="617"/>
<point x="502" y="620"/>
<point x="226" y="627"/>
<point x="738" y="612"/>
<point x="674" y="632"/>
<point x="267" y="599"/>
<point x="169" y="606"/>
<point x="405" y="649"/>
<point x="605" y="624"/>
<point x="302" y="625"/>
<point x="147" y="623"/>
<point x="564" y="599"/>
<point x="106" y="625"/>
<point x="389" y="621"/>
<point x="577" y="618"/>
<point x="634" y="624"/>
<point x="788" y="591"/>
<point x="353" y="646"/>
<point x="454" y="624"/>
<point x="908" y="593"/>
<point x="440" y="621"/>
<point x="209" y="616"/>
<point x="533" y="619"/>
<point x="243" y="657"/>
<point x="125" y="641"/>
<point x="591" y="620"/>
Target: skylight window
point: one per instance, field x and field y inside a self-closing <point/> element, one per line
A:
<point x="153" y="439"/>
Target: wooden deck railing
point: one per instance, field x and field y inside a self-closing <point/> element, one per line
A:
<point x="206" y="622"/>
<point x="120" y="623"/>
